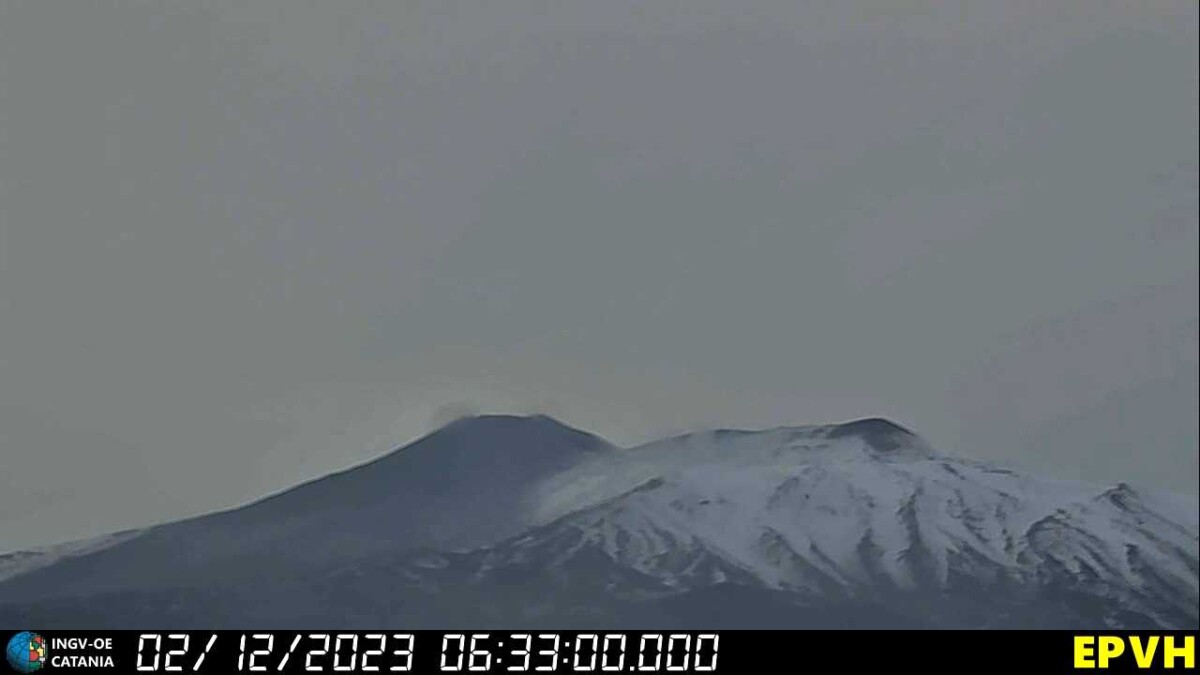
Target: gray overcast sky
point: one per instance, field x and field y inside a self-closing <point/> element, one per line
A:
<point x="243" y="244"/>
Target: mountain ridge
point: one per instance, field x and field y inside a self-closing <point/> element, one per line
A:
<point x="527" y="518"/>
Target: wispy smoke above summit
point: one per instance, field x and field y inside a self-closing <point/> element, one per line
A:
<point x="450" y="412"/>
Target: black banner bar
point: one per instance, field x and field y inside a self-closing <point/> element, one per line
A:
<point x="493" y="651"/>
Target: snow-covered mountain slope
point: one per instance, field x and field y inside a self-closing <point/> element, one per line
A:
<point x="20" y="562"/>
<point x="868" y="511"/>
<point x="859" y="524"/>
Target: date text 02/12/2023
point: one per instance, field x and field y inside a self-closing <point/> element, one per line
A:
<point x="457" y="652"/>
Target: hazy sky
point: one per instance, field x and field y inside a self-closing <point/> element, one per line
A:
<point x="243" y="244"/>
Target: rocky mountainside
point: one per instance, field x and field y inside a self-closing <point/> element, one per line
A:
<point x="513" y="521"/>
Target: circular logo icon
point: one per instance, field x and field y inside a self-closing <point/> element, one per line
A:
<point x="26" y="652"/>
